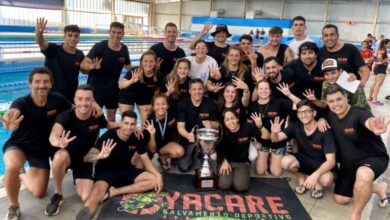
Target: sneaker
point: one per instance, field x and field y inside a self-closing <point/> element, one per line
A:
<point x="54" y="207"/>
<point x="84" y="214"/>
<point x="387" y="98"/>
<point x="13" y="213"/>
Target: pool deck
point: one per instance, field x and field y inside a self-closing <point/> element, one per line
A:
<point x="323" y="209"/>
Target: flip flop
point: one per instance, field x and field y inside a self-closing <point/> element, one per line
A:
<point x="317" y="193"/>
<point x="300" y="190"/>
<point x="165" y="165"/>
<point x="383" y="202"/>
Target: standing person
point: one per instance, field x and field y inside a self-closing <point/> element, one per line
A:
<point x="262" y="34"/>
<point x="74" y="134"/>
<point x="218" y="48"/>
<point x="257" y="35"/>
<point x="299" y="30"/>
<point x="252" y="59"/>
<point x="367" y="54"/>
<point x="201" y="63"/>
<point x="361" y="152"/>
<point x="139" y="85"/>
<point x="377" y="43"/>
<point x="316" y="156"/>
<point x="63" y="60"/>
<point x="115" y="174"/>
<point x="275" y="48"/>
<point x="104" y="64"/>
<point x="380" y="68"/>
<point x="233" y="151"/>
<point x="346" y="54"/>
<point x="195" y="111"/>
<point x="167" y="51"/>
<point x="31" y="118"/>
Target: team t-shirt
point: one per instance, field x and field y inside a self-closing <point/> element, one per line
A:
<point x="218" y="53"/>
<point x="289" y="78"/>
<point x="165" y="128"/>
<point x="169" y="57"/>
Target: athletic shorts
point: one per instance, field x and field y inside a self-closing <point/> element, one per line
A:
<point x="306" y="164"/>
<point x="380" y="69"/>
<point x="278" y="151"/>
<point x="132" y="98"/>
<point x="82" y="171"/>
<point x="346" y="177"/>
<point x="107" y="99"/>
<point x="38" y="161"/>
<point x="118" y="178"/>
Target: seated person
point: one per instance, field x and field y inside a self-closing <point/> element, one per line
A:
<point x="115" y="174"/>
<point x="233" y="151"/>
<point x="316" y="155"/>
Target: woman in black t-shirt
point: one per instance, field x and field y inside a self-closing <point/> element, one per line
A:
<point x="229" y="98"/>
<point x="233" y="152"/>
<point x="139" y="85"/>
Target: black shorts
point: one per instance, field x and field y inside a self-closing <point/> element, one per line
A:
<point x="380" y="69"/>
<point x="109" y="99"/>
<point x="38" y="161"/>
<point x="306" y="164"/>
<point x="346" y="177"/>
<point x="81" y="171"/>
<point x="119" y="178"/>
<point x="133" y="98"/>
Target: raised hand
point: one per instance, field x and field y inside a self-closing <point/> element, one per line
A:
<point x="380" y="125"/>
<point x="170" y="85"/>
<point x="135" y="74"/>
<point x="159" y="62"/>
<point x="148" y="125"/>
<point x="214" y="71"/>
<point x="41" y="25"/>
<point x="11" y="119"/>
<point x="256" y="117"/>
<point x="257" y="74"/>
<point x="216" y="87"/>
<point x="252" y="56"/>
<point x="309" y="95"/>
<point x="106" y="149"/>
<point x="239" y="84"/>
<point x="283" y="87"/>
<point x="276" y="125"/>
<point x="96" y="63"/>
<point x="64" y="139"/>
<point x="206" y="28"/>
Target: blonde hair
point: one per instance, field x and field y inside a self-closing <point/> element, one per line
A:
<point x="242" y="68"/>
<point x="174" y="76"/>
<point x="148" y="52"/>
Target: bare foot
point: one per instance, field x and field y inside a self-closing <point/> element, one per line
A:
<point x="381" y="191"/>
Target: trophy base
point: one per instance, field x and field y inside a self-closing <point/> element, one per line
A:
<point x="205" y="183"/>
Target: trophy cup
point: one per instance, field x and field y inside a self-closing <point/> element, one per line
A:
<point x="205" y="179"/>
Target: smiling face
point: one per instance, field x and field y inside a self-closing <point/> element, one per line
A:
<point x="234" y="57"/>
<point x="183" y="70"/>
<point x="330" y="37"/>
<point x="298" y="27"/>
<point x="231" y="121"/>
<point x="274" y="39"/>
<point x="338" y="103"/>
<point x="221" y="36"/>
<point x="40" y="84"/>
<point x="308" y="57"/>
<point x="71" y="39"/>
<point x="160" y="106"/>
<point x="148" y="62"/>
<point x="306" y="114"/>
<point x="246" y="45"/>
<point x="332" y="76"/>
<point x="201" y="50"/>
<point x="263" y="90"/>
<point x="272" y="69"/>
<point x="196" y="91"/>
<point x="83" y="101"/>
<point x="116" y="35"/>
<point x="170" y="34"/>
<point x="230" y="94"/>
<point x="128" y="126"/>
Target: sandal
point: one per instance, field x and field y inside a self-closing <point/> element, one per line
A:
<point x="383" y="202"/>
<point x="317" y="193"/>
<point x="300" y="190"/>
<point x="164" y="164"/>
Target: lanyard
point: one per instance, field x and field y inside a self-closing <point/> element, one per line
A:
<point x="162" y="128"/>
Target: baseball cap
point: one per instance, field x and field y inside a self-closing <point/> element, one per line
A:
<point x="329" y="65"/>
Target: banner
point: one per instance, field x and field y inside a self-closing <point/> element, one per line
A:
<point x="40" y="4"/>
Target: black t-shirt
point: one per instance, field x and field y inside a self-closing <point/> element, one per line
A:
<point x="306" y="79"/>
<point x="169" y="57"/>
<point x="275" y="107"/>
<point x="183" y="92"/>
<point x="289" y="78"/>
<point x="237" y="107"/>
<point x="65" y="68"/>
<point x="86" y="132"/>
<point x="348" y="57"/>
<point x="122" y="153"/>
<point x="106" y="78"/>
<point x="143" y="90"/>
<point x="34" y="130"/>
<point x="355" y="141"/>
<point x="218" y="53"/>
<point x="260" y="63"/>
<point x="165" y="129"/>
<point x="234" y="146"/>
<point x="281" y="53"/>
<point x="193" y="116"/>
<point x="315" y="145"/>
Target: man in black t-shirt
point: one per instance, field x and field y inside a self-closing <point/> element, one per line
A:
<point x="115" y="174"/>
<point x="104" y="64"/>
<point x="361" y="151"/>
<point x="194" y="112"/>
<point x="74" y="134"/>
<point x="316" y="155"/>
<point x="63" y="60"/>
<point x="346" y="54"/>
<point x="31" y="118"/>
<point x="218" y="48"/>
<point x="167" y="51"/>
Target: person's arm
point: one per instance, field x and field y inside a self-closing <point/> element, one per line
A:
<point x="364" y="73"/>
<point x="288" y="56"/>
<point x="11" y="119"/>
<point x="135" y="76"/>
<point x="205" y="30"/>
<point x="312" y="180"/>
<point x="151" y="168"/>
<point x="40" y="28"/>
<point x="377" y="125"/>
<point x="276" y="130"/>
<point x="152" y="146"/>
<point x="59" y="137"/>
<point x="94" y="154"/>
<point x="183" y="132"/>
<point x="89" y="64"/>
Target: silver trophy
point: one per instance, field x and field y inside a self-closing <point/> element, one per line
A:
<point x="207" y="139"/>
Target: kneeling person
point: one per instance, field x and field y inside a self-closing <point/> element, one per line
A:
<point x="115" y="174"/>
<point x="316" y="157"/>
<point x="75" y="133"/>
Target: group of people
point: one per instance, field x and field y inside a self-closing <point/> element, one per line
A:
<point x="259" y="100"/>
